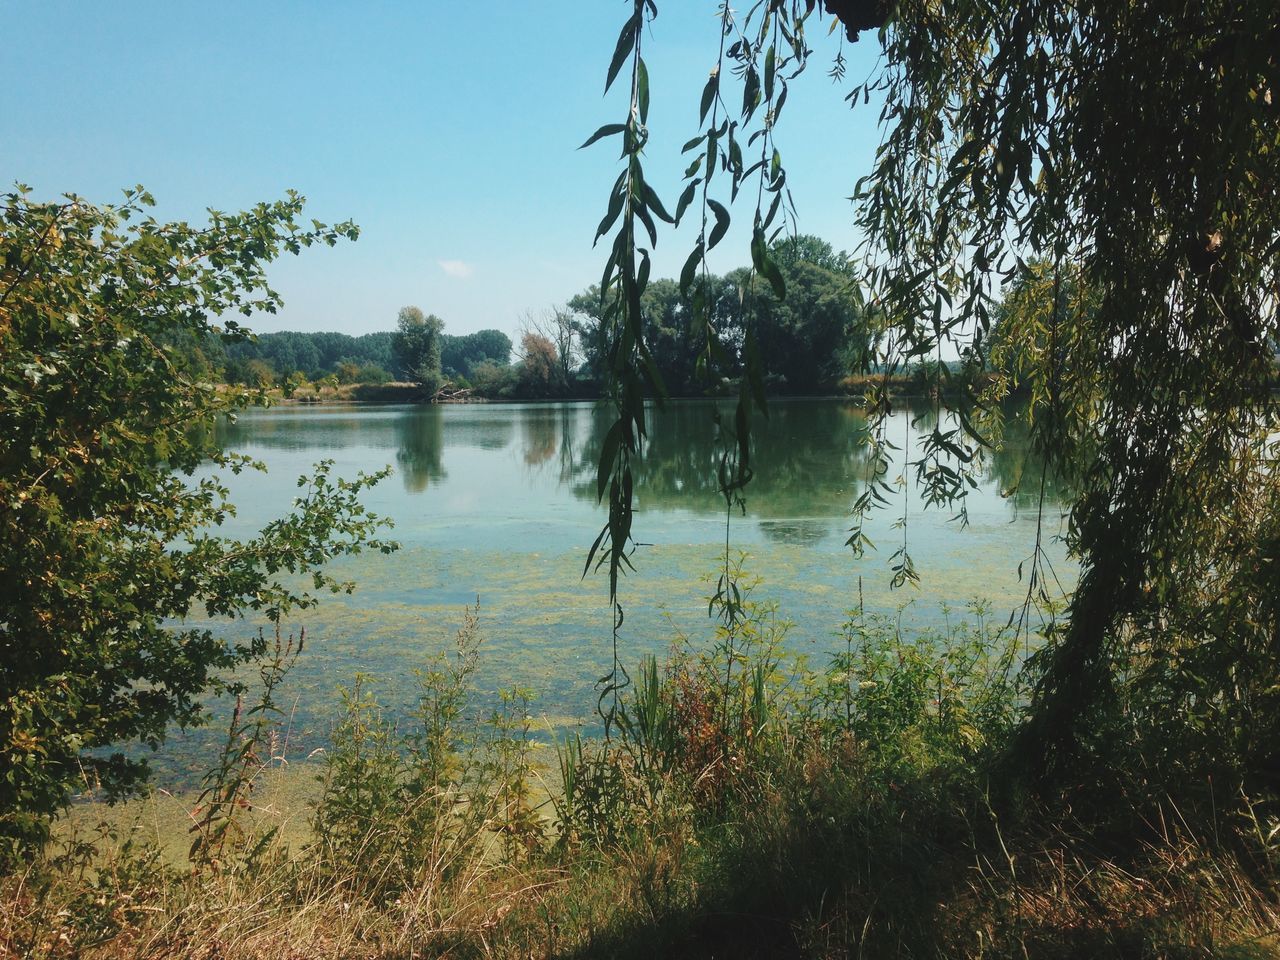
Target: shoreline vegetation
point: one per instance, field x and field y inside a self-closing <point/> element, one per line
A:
<point x="745" y="801"/>
<point x="749" y="803"/>
<point x="851" y="388"/>
<point x="1094" y="776"/>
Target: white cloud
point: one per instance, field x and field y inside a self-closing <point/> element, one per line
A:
<point x="456" y="268"/>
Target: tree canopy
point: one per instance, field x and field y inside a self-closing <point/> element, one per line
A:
<point x="460" y="355"/>
<point x="817" y="334"/>
<point x="416" y="348"/>
<point x="1133" y="147"/>
<point x="108" y="542"/>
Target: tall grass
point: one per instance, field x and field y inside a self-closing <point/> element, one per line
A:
<point x="752" y="803"/>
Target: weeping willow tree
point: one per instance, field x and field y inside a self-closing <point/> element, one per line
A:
<point x="1132" y="149"/>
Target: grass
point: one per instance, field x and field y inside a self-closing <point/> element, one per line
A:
<point x="750" y="804"/>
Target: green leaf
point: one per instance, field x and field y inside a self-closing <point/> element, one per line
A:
<point x="615" y="208"/>
<point x="722" y="223"/>
<point x="708" y="97"/>
<point x="608" y="454"/>
<point x="653" y="203"/>
<point x="626" y="41"/>
<point x="690" y="269"/>
<point x="765" y="265"/>
<point x="642" y="212"/>
<point x="608" y="130"/>
<point x="642" y="90"/>
<point x="750" y="92"/>
<point x="686" y="198"/>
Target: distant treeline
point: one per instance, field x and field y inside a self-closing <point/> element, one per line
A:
<point x="272" y="359"/>
<point x="818" y="340"/>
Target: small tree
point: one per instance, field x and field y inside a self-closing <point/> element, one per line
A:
<point x="416" y="347"/>
<point x="106" y="542"/>
<point x="540" y="374"/>
<point x="558" y="326"/>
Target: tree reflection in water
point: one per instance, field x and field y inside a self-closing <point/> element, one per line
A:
<point x="799" y="443"/>
<point x="420" y="437"/>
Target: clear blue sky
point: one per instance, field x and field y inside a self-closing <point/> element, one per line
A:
<point x="447" y="130"/>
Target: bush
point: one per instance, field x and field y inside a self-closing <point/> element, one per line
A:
<point x="106" y="544"/>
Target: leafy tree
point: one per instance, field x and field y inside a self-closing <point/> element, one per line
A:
<point x="539" y="374"/>
<point x="256" y="373"/>
<point x="416" y="346"/>
<point x="491" y="345"/>
<point x="557" y="325"/>
<point x="671" y="336"/>
<point x="459" y="355"/>
<point x="374" y="349"/>
<point x="491" y="380"/>
<point x="815" y="335"/>
<point x="1037" y="301"/>
<point x="1166" y="378"/>
<point x="806" y="248"/>
<point x="1132" y="146"/>
<point x="106" y="543"/>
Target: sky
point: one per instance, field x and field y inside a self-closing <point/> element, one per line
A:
<point x="448" y="131"/>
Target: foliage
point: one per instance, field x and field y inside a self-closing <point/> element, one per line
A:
<point x="416" y="348"/>
<point x="108" y="540"/>
<point x="540" y="373"/>
<point x="218" y="817"/>
<point x="812" y="810"/>
<point x="460" y="355"/>
<point x="404" y="806"/>
<point x="1033" y="304"/>
<point x="1024" y="127"/>
<point x="1008" y="136"/>
<point x="669" y="331"/>
<point x="491" y="380"/>
<point x="814" y="337"/>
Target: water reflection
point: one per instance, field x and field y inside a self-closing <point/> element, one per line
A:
<point x="809" y="457"/>
<point x="1018" y="473"/>
<point x="420" y="434"/>
<point x="540" y="429"/>
<point x="809" y="460"/>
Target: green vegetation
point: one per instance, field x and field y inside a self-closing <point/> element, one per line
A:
<point x="109" y="541"/>
<point x="750" y="804"/>
<point x="1103" y="785"/>
<point x="416" y="348"/>
<point x="817" y="336"/>
<point x="1141" y="310"/>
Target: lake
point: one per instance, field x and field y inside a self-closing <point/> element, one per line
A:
<point x="497" y="502"/>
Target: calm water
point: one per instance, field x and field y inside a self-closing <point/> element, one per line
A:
<point x="498" y="502"/>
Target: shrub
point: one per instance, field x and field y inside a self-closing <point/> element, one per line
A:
<point x="106" y="544"/>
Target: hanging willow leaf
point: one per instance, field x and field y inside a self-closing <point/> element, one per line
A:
<point x="708" y="97"/>
<point x="608" y="130"/>
<point x="626" y="40"/>
<point x="611" y="215"/>
<point x="765" y="265"/>
<point x="642" y="90"/>
<point x="653" y="203"/>
<point x="686" y="198"/>
<point x="608" y="454"/>
<point x="722" y="223"/>
<point x="690" y="269"/>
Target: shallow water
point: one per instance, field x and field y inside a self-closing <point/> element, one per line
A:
<point x="497" y="501"/>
